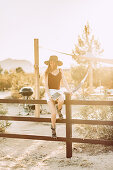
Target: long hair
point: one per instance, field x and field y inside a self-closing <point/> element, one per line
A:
<point x="49" y="69"/>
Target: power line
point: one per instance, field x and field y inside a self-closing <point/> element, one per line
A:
<point x="95" y="59"/>
<point x="56" y="51"/>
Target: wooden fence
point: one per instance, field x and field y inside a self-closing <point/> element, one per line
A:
<point x="69" y="121"/>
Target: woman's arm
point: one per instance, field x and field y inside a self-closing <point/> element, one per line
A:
<point x="65" y="82"/>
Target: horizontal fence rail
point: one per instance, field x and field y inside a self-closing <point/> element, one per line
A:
<point x="33" y="137"/>
<point x="92" y="141"/>
<point x="61" y="139"/>
<point x="69" y="121"/>
<point x="73" y="121"/>
<point x="71" y="102"/>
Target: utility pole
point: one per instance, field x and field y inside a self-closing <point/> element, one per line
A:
<point x="37" y="77"/>
<point x="90" y="76"/>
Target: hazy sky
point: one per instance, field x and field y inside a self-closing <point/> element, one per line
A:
<point x="56" y="23"/>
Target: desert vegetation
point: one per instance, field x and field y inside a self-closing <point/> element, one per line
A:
<point x="3" y="123"/>
<point x="95" y="112"/>
<point x="14" y="80"/>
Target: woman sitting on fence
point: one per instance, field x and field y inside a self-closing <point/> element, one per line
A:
<point x="53" y="77"/>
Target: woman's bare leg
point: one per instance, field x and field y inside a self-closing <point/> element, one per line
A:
<point x="60" y="102"/>
<point x="59" y="107"/>
<point x="53" y="112"/>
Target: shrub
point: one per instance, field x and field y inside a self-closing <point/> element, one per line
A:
<point x="5" y="83"/>
<point x="3" y="123"/>
<point x="96" y="113"/>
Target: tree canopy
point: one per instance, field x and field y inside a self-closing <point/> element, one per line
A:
<point x="87" y="46"/>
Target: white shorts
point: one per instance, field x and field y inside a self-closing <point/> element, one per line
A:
<point x="53" y="91"/>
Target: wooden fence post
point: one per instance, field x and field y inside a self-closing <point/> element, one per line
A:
<point x="37" y="85"/>
<point x="68" y="127"/>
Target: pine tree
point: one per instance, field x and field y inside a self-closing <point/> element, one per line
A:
<point x="87" y="46"/>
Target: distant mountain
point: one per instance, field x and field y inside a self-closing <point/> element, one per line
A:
<point x="27" y="66"/>
<point x="9" y="64"/>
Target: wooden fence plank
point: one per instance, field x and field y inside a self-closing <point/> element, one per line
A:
<point x="31" y="119"/>
<point x="73" y="121"/>
<point x="92" y="141"/>
<point x="33" y="137"/>
<point x="72" y="102"/>
<point x="62" y="139"/>
<point x="22" y="101"/>
<point x="90" y="102"/>
<point x="92" y="122"/>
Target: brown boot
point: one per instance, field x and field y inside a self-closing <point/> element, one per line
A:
<point x="53" y="132"/>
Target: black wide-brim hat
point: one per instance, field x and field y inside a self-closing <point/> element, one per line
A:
<point x="54" y="58"/>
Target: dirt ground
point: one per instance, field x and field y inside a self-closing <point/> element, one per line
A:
<point x="46" y="155"/>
